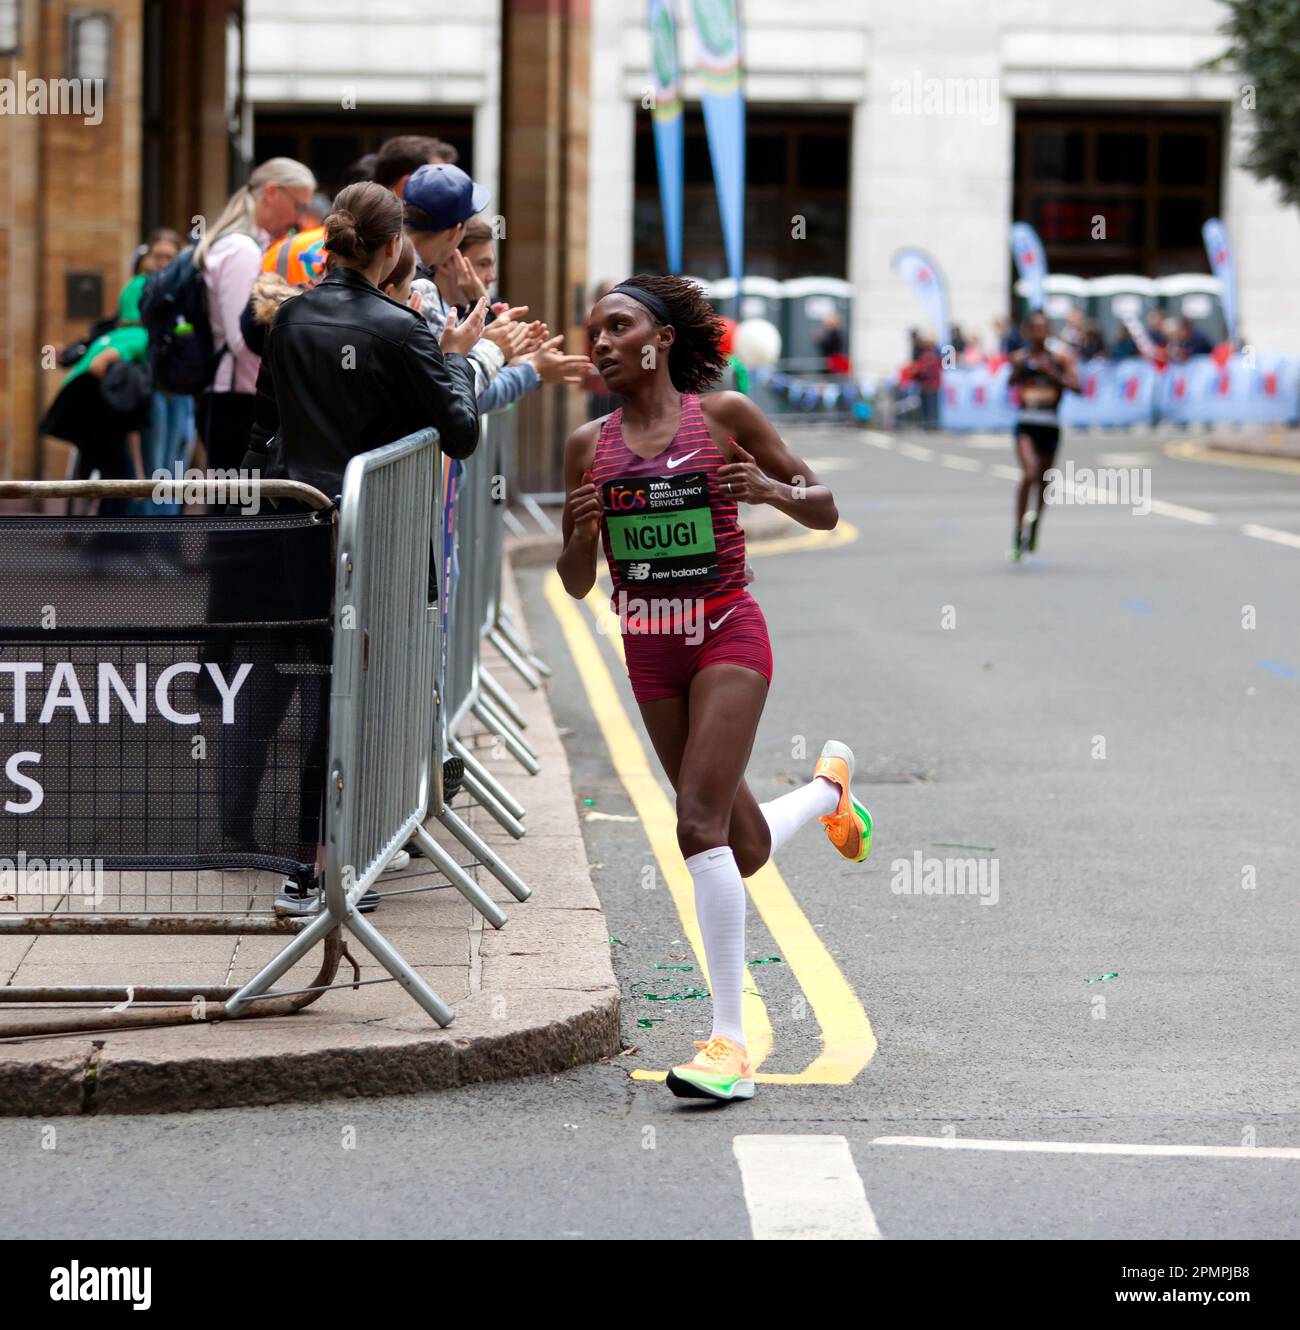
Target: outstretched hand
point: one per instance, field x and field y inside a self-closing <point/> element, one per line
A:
<point x="553" y="366"/>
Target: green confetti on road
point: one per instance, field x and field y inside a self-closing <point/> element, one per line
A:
<point x="645" y="1022"/>
<point x="686" y="995"/>
<point x="674" y="967"/>
<point x="589" y="803"/>
<point x="619" y="940"/>
<point x="1114" y="974"/>
<point x="767" y="960"/>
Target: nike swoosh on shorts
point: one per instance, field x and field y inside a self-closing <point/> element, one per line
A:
<point x="677" y="461"/>
<point x="721" y="621"/>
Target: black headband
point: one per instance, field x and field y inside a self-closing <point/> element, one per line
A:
<point x="651" y="301"/>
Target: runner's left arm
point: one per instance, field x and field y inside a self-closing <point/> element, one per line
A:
<point x="763" y="469"/>
<point x="1069" y="373"/>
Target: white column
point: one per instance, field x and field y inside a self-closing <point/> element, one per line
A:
<point x="612" y="171"/>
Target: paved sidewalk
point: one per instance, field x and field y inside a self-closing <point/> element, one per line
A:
<point x="538" y="995"/>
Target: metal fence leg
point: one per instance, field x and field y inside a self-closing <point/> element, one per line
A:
<point x="525" y="671"/>
<point x="501" y="698"/>
<point x="491" y="804"/>
<point x="486" y="780"/>
<point x="459" y="879"/>
<point x="283" y="962"/>
<point x="523" y="752"/>
<point x="487" y="857"/>
<point x="382" y="950"/>
<point x="505" y="625"/>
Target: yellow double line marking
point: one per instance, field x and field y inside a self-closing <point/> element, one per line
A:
<point x="848" y="1042"/>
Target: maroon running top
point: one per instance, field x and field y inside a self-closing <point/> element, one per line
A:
<point x="670" y="527"/>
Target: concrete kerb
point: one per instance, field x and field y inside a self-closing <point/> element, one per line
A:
<point x="537" y="997"/>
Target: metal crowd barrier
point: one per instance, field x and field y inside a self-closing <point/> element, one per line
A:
<point x="406" y="677"/>
<point x="473" y="552"/>
<point x="228" y="901"/>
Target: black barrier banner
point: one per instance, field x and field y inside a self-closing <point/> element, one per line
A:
<point x="164" y="690"/>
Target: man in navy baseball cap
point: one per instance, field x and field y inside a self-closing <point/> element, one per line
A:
<point x="439" y="196"/>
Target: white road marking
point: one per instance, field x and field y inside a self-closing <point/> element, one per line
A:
<point x="831" y="463"/>
<point x="1271" y="533"/>
<point x="1096" y="1148"/>
<point x="956" y="462"/>
<point x="803" y="1187"/>
<point x="1124" y="459"/>
<point x="1183" y="514"/>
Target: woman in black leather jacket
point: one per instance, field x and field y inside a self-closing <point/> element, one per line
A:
<point x="351" y="369"/>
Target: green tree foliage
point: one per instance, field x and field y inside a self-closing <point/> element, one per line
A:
<point x="1264" y="46"/>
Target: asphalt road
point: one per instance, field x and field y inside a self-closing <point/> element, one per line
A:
<point x="1098" y="725"/>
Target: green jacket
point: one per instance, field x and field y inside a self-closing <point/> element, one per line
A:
<point x="129" y="339"/>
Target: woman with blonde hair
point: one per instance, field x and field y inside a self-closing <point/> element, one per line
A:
<point x="229" y="256"/>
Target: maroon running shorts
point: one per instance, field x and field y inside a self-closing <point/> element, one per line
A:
<point x="662" y="664"/>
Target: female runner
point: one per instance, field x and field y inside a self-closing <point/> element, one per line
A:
<point x="657" y="481"/>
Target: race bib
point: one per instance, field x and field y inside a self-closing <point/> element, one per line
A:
<point x="660" y="529"/>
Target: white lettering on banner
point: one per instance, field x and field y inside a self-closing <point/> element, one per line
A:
<point x="65" y="691"/>
<point x="163" y="702"/>
<point x="135" y="705"/>
<point x="228" y="694"/>
<point x="64" y="674"/>
<point x="20" y="669"/>
<point x="25" y="782"/>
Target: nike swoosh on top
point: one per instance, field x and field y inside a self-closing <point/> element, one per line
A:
<point x="677" y="461"/>
<point x="721" y="621"/>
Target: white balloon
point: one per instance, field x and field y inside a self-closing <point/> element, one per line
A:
<point x="756" y="343"/>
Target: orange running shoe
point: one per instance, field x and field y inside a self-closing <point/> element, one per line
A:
<point x="849" y="826"/>
<point x="721" y="1071"/>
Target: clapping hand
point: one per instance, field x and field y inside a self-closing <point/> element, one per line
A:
<point x="553" y="366"/>
<point x="460" y="337"/>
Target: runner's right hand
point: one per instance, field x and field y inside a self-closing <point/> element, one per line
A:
<point x="585" y="507"/>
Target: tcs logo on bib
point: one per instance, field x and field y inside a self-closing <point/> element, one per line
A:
<point x="625" y="499"/>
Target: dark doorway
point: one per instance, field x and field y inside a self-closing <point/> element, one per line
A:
<point x="796" y="164"/>
<point x="1154" y="178"/>
<point x="330" y="141"/>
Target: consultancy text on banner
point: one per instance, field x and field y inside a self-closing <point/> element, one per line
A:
<point x="164" y="690"/>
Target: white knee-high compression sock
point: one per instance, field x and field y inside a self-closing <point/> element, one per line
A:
<point x="819" y="798"/>
<point x="720" y="906"/>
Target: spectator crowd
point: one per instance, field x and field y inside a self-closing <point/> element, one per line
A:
<point x="296" y="331"/>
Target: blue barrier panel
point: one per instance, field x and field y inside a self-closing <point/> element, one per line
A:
<point x="973" y="399"/>
<point x="1119" y="394"/>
